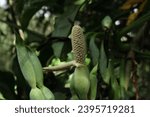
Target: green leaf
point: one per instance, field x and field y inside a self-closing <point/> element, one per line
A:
<point x="37" y="68"/>
<point x="26" y="65"/>
<point x="122" y="74"/>
<point x="94" y="52"/>
<point x="115" y="87"/>
<point x="103" y="60"/>
<point x="123" y="79"/>
<point x="62" y="25"/>
<point x="79" y="2"/>
<point x="108" y="73"/>
<point x="93" y="83"/>
<point x="128" y="72"/>
<point x="29" y="64"/>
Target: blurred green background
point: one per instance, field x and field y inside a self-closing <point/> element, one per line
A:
<point x="118" y="41"/>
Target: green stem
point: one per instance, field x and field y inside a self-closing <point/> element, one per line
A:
<point x="62" y="66"/>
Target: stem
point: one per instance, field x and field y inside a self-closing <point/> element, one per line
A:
<point x="62" y="66"/>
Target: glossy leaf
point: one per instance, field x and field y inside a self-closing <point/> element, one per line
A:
<point x="29" y="63"/>
<point x="107" y="75"/>
<point x="115" y="87"/>
<point x="37" y="68"/>
<point x="128" y="72"/>
<point x="103" y="60"/>
<point x="93" y="83"/>
<point x="122" y="74"/>
<point x="26" y="65"/>
<point x="94" y="51"/>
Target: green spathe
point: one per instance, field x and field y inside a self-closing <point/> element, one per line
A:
<point x="81" y="81"/>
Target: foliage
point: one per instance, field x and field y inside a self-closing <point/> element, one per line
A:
<point x="36" y="34"/>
